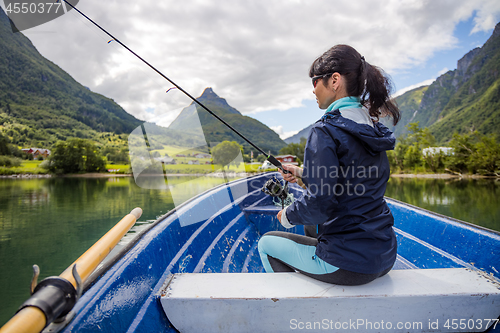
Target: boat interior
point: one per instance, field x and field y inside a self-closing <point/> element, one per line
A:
<point x="160" y="280"/>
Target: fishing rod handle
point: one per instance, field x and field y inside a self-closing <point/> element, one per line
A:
<point x="277" y="163"/>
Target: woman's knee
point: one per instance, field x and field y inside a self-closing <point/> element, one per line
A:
<point x="265" y="242"/>
<point x="261" y="245"/>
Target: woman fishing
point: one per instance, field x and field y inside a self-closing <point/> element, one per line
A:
<point x="349" y="238"/>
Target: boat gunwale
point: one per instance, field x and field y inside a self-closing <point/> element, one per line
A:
<point x="468" y="224"/>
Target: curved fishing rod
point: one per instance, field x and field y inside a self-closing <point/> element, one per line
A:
<point x="269" y="157"/>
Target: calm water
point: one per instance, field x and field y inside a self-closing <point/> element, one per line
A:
<point x="472" y="200"/>
<point x="51" y="222"/>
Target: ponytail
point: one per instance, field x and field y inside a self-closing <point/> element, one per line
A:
<point x="375" y="97"/>
<point x="363" y="80"/>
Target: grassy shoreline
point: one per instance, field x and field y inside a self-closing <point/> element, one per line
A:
<point x="31" y="169"/>
<point x="228" y="174"/>
<point x="441" y="176"/>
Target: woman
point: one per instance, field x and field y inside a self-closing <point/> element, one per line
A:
<point x="348" y="225"/>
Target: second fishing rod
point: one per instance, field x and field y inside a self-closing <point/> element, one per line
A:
<point x="269" y="157"/>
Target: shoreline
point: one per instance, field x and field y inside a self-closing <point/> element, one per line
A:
<point x="27" y="175"/>
<point x="113" y="175"/>
<point x="236" y="174"/>
<point x="95" y="175"/>
<point x="440" y="176"/>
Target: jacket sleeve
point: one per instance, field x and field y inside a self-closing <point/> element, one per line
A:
<point x="321" y="169"/>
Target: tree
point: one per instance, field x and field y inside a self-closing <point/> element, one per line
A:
<point x="76" y="155"/>
<point x="474" y="153"/>
<point x="296" y="149"/>
<point x="486" y="157"/>
<point x="413" y="157"/>
<point x="118" y="155"/>
<point x="226" y="153"/>
<point x="261" y="158"/>
<point x="407" y="154"/>
<point x="463" y="149"/>
<point x="434" y="160"/>
<point x="4" y="145"/>
<point x="397" y="156"/>
<point x="421" y="138"/>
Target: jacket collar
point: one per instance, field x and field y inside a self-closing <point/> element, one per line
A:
<point x="344" y="103"/>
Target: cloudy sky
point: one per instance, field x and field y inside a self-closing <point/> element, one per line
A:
<point x="255" y="54"/>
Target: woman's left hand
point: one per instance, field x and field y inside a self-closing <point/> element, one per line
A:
<point x="279" y="215"/>
<point x="294" y="172"/>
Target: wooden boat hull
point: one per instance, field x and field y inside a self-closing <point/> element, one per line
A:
<point x="124" y="297"/>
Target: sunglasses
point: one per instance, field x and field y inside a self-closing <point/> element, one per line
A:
<point x="317" y="77"/>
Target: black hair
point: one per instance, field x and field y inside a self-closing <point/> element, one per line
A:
<point x="363" y="80"/>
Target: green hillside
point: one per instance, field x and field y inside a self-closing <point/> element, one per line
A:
<point x="215" y="131"/>
<point x="464" y="100"/>
<point x="40" y="103"/>
<point x="408" y="104"/>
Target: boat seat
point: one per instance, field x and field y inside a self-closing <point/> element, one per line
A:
<point x="414" y="300"/>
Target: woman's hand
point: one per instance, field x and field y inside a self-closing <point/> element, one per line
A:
<point x="279" y="215"/>
<point x="295" y="172"/>
<point x="284" y="223"/>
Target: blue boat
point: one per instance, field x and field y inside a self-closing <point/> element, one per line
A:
<point x="197" y="269"/>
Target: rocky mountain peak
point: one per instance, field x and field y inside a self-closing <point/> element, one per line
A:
<point x="464" y="63"/>
<point x="211" y="99"/>
<point x="209" y="92"/>
<point x="496" y="31"/>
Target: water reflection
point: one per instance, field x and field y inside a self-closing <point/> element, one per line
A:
<point x="433" y="200"/>
<point x="52" y="221"/>
<point x="471" y="200"/>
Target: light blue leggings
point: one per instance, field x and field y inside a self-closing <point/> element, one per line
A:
<point x="286" y="252"/>
<point x="296" y="252"/>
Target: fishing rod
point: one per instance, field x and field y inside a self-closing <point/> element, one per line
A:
<point x="269" y="157"/>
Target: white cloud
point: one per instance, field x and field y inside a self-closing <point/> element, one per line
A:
<point x="283" y="135"/>
<point x="487" y="16"/>
<point x="288" y="134"/>
<point x="256" y="54"/>
<point x="444" y="70"/>
<point x="413" y="86"/>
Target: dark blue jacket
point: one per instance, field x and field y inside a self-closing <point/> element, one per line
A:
<point x="346" y="171"/>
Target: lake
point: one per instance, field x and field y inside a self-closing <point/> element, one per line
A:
<point x="472" y="200"/>
<point x="52" y="221"/>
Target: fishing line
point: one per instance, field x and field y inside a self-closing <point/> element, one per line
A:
<point x="270" y="158"/>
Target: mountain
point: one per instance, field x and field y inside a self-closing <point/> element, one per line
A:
<point x="40" y="103"/>
<point x="215" y="131"/>
<point x="408" y="104"/>
<point x="463" y="100"/>
<point x="304" y="133"/>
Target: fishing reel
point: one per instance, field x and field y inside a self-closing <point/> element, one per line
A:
<point x="276" y="189"/>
